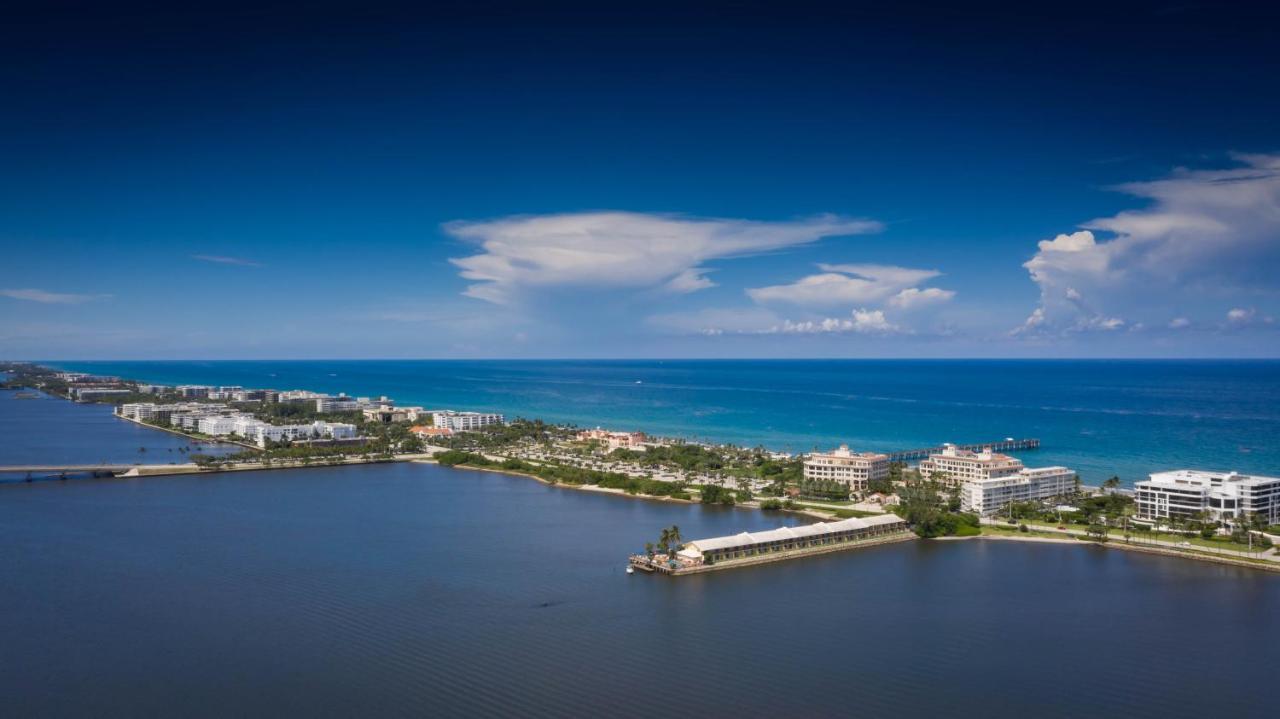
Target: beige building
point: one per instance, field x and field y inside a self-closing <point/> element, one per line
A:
<point x="988" y="496"/>
<point x="957" y="465"/>
<point x="854" y="469"/>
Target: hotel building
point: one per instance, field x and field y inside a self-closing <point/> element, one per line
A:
<point x="957" y="465"/>
<point x="1226" y="496"/>
<point x="853" y="469"/>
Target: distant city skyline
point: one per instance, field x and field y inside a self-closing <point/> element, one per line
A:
<point x="586" y="182"/>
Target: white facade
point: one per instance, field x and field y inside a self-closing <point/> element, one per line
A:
<point x="990" y="495"/>
<point x="853" y="469"/>
<point x="959" y="465"/>
<point x="336" y="404"/>
<point x="1226" y="496"/>
<point x="464" y="421"/>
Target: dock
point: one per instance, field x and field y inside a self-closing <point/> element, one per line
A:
<point x="1008" y="444"/>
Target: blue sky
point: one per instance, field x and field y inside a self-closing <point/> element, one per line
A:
<point x="561" y="181"/>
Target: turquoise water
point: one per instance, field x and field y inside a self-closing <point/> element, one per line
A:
<point x="1098" y="417"/>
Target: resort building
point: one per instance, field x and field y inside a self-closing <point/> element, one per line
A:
<point x="614" y="440"/>
<point x="956" y="465"/>
<point x="853" y="469"/>
<point x="385" y="414"/>
<point x="1226" y="496"/>
<point x="464" y="421"/>
<point x="988" y="496"/>
<point x="784" y="539"/>
<point x="196" y="391"/>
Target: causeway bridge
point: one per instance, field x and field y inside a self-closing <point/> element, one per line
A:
<point x="100" y="468"/>
<point x="1008" y="444"/>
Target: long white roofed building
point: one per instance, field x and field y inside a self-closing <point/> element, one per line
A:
<point x="784" y="539"/>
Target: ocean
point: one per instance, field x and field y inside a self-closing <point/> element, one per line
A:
<point x="1099" y="417"/>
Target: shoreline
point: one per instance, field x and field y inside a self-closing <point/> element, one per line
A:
<point x="1263" y="565"/>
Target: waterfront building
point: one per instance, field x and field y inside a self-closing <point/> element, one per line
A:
<point x="990" y="495"/>
<point x="615" y="440"/>
<point x="955" y="465"/>
<point x="853" y="469"/>
<point x="84" y="394"/>
<point x="1225" y="496"/>
<point x="193" y="390"/>
<point x="464" y="421"/>
<point x="783" y="539"/>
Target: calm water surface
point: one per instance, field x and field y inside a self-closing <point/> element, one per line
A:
<point x="1099" y="417"/>
<point x="413" y="590"/>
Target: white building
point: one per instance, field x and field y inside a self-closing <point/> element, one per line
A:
<point x="853" y="469"/>
<point x="337" y="404"/>
<point x="1226" y="496"/>
<point x="957" y="465"/>
<point x="990" y="495"/>
<point x="464" y="421"/>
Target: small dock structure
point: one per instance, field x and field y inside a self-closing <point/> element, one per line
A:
<point x="749" y="548"/>
<point x="1008" y="444"/>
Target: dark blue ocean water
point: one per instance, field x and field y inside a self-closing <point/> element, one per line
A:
<point x="1098" y="417"/>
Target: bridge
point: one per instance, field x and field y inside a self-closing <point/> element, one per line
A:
<point x="1008" y="444"/>
<point x="47" y="469"/>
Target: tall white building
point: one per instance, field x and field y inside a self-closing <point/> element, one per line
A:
<point x="464" y="421"/>
<point x="1226" y="496"/>
<point x="853" y="469"/>
<point x="990" y="495"/>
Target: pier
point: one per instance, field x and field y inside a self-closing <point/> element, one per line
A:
<point x="1008" y="444"/>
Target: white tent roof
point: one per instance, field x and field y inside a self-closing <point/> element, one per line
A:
<point x="789" y="533"/>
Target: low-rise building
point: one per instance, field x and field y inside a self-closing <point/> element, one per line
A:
<point x="615" y="440"/>
<point x="786" y="539"/>
<point x="385" y="414"/>
<point x="431" y="432"/>
<point x="990" y="495"/>
<point x="853" y="469"/>
<point x="1225" y="496"/>
<point x="341" y="403"/>
<point x="84" y="394"/>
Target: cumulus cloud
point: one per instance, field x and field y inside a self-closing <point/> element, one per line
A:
<point x="225" y="260"/>
<point x="853" y="284"/>
<point x="621" y="249"/>
<point x="861" y="321"/>
<point x="913" y="297"/>
<point x="1247" y="317"/>
<point x="1205" y="233"/>
<point x="760" y="321"/>
<point x="50" y="298"/>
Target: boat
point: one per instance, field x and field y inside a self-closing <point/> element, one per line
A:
<point x="631" y="569"/>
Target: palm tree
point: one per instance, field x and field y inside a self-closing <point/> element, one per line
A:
<point x="1112" y="483"/>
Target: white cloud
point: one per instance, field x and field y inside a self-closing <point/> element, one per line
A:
<point x="913" y="297"/>
<point x="1179" y="323"/>
<point x="759" y="321"/>
<point x="621" y="249"/>
<point x="1240" y="315"/>
<point x="50" y="298"/>
<point x="225" y="260"/>
<point x="1206" y="233"/>
<point x="861" y="321"/>
<point x="849" y="284"/>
